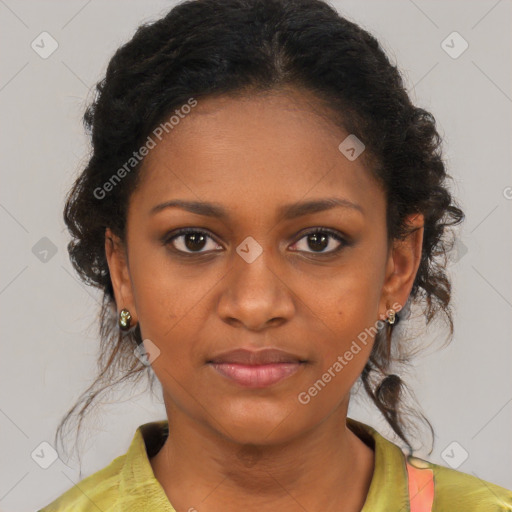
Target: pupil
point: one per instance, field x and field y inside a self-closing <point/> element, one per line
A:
<point x="194" y="238"/>
<point x="319" y="241"/>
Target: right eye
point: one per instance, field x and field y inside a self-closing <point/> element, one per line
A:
<point x="191" y="241"/>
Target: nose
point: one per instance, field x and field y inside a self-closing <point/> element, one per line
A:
<point x="255" y="294"/>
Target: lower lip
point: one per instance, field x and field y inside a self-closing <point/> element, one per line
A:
<point x="256" y="376"/>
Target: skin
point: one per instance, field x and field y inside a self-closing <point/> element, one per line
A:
<point x="260" y="449"/>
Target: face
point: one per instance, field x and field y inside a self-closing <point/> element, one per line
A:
<point x="265" y="270"/>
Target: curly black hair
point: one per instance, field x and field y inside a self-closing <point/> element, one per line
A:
<point x="205" y="48"/>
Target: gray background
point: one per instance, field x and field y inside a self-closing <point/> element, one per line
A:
<point x="49" y="341"/>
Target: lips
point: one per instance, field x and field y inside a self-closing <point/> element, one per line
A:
<point x="257" y="376"/>
<point x="251" y="357"/>
<point x="256" y="369"/>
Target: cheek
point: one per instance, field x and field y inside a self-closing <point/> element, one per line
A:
<point x="347" y="314"/>
<point x="343" y="354"/>
<point x="173" y="307"/>
<point x="168" y="297"/>
<point x="349" y="301"/>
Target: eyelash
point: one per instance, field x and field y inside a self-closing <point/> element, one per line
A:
<point x="185" y="231"/>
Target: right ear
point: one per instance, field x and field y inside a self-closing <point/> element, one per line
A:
<point x="117" y="260"/>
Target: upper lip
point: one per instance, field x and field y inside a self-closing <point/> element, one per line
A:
<point x="252" y="357"/>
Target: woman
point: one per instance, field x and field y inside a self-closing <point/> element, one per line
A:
<point x="262" y="205"/>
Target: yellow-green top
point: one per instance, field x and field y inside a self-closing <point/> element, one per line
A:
<point x="128" y="483"/>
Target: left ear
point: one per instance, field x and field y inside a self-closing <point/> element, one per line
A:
<point x="402" y="265"/>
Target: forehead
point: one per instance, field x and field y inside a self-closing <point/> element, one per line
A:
<point x="254" y="151"/>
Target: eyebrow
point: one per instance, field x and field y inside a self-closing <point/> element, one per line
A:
<point x="286" y="212"/>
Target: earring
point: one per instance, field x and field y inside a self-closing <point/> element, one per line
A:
<point x="124" y="319"/>
<point x="392" y="318"/>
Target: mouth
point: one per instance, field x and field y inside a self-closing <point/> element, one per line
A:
<point x="256" y="369"/>
<point x="257" y="376"/>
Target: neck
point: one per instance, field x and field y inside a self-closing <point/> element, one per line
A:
<point x="325" y="468"/>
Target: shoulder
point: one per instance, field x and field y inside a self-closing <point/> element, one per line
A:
<point x="98" y="491"/>
<point x="126" y="483"/>
<point x="455" y="490"/>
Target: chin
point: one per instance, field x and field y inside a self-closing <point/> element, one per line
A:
<point x="264" y="427"/>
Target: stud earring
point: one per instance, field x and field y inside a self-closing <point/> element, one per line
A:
<point x="392" y="318"/>
<point x="124" y="319"/>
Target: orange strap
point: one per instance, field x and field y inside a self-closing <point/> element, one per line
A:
<point x="421" y="488"/>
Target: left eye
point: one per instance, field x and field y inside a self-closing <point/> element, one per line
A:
<point x="318" y="240"/>
<point x="192" y="239"/>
